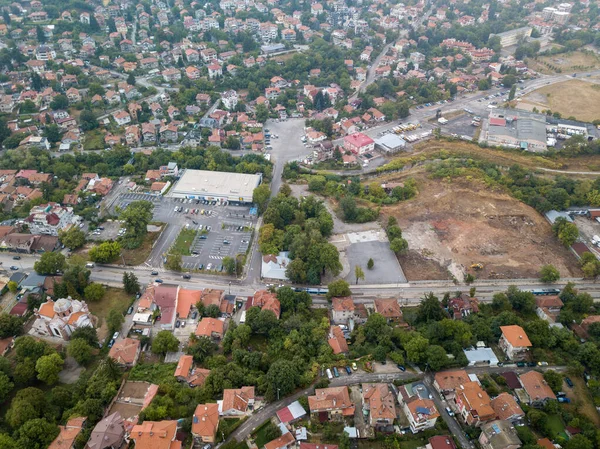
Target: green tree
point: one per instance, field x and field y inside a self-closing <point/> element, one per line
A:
<point x="52" y="133"/>
<point x="261" y="113"/>
<point x="136" y="218"/>
<point x="80" y="350"/>
<point x="50" y="263"/>
<point x="13" y="287"/>
<point x="29" y="403"/>
<point x="10" y="325"/>
<point x="59" y="102"/>
<point x="37" y="434"/>
<point x="130" y="283"/>
<point x="549" y="274"/>
<point x="114" y="320"/>
<point x="88" y="121"/>
<point x="131" y="79"/>
<point x="338" y="288"/>
<point x="174" y="261"/>
<point x="416" y="349"/>
<point x="94" y="292"/>
<point x="229" y="264"/>
<point x="358" y="273"/>
<point x="73" y="238"/>
<point x="260" y="197"/>
<point x="436" y="357"/>
<point x="86" y="333"/>
<point x="48" y="367"/>
<point x="579" y="441"/>
<point x="399" y="245"/>
<point x="164" y="342"/>
<point x="430" y="309"/>
<point x="201" y="348"/>
<point x="554" y="380"/>
<point x="281" y="379"/>
<point x="6" y="387"/>
<point x="105" y="252"/>
<point x="511" y="94"/>
<point x="370" y="264"/>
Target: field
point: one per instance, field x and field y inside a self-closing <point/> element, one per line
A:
<point x="138" y="256"/>
<point x="565" y="63"/>
<point x="184" y="242"/>
<point x="574" y="98"/>
<point x="115" y="298"/>
<point x="451" y="225"/>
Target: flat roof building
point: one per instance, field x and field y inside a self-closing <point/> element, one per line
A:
<point x="514" y="128"/>
<point x="216" y="185"/>
<point x="513" y="37"/>
<point x="390" y="143"/>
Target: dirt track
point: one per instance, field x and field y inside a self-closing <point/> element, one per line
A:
<point x="452" y="225"/>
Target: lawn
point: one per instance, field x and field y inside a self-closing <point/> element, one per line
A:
<point x="404" y="444"/>
<point x="94" y="140"/>
<point x="115" y="298"/>
<point x="567" y="63"/>
<point x="260" y="438"/>
<point x="184" y="242"/>
<point x="576" y="98"/>
<point x="556" y="426"/>
<point x="139" y="255"/>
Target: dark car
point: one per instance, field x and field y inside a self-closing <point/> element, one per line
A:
<point x="16" y="257"/>
<point x="111" y="343"/>
<point x="14" y="268"/>
<point x="520" y="364"/>
<point x="349" y="370"/>
<point x="569" y="382"/>
<point x="194" y="315"/>
<point x="158" y="281"/>
<point x="401" y="368"/>
<point x="225" y="242"/>
<point x="531" y="364"/>
<point x="130" y="311"/>
<point x="202" y="237"/>
<point x="194" y="252"/>
<point x="186" y="276"/>
<point x="178" y="324"/>
<point x="201" y="266"/>
<point x="154" y="273"/>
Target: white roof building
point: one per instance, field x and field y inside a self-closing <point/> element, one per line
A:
<point x="273" y="267"/>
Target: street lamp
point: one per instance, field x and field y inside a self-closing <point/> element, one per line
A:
<point x="278" y="393"/>
<point x="230" y="287"/>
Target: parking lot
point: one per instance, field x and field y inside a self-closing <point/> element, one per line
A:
<point x="126" y="198"/>
<point x="223" y="230"/>
<point x="109" y="231"/>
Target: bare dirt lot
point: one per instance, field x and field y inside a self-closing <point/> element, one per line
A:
<point x="565" y="62"/>
<point x="452" y="225"/>
<point x="574" y="98"/>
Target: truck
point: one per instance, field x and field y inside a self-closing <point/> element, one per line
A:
<point x="329" y="375"/>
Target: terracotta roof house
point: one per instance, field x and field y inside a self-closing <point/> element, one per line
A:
<point x="156" y="435"/>
<point x="211" y="296"/>
<point x="499" y="435"/>
<point x="236" y="402"/>
<point x="380" y="402"/>
<point x="186" y="299"/>
<point x="267" y="301"/>
<point x="548" y="308"/>
<point x="389" y="308"/>
<point x="211" y="328"/>
<point x="337" y="341"/>
<point x="285" y="441"/>
<point x="512" y="380"/>
<point x="463" y="306"/>
<point x="68" y="434"/>
<point x="440" y="442"/>
<point x="421" y="413"/>
<point x="304" y="445"/>
<point x="125" y="352"/>
<point x="205" y="422"/>
<point x="474" y="404"/>
<point x="165" y="297"/>
<point x="506" y="408"/>
<point x="109" y="433"/>
<point x="185" y="372"/>
<point x="545" y="443"/>
<point x="342" y="309"/>
<point x="537" y="388"/>
<point x="446" y="382"/>
<point x="6" y="344"/>
<point x="514" y="342"/>
<point x="331" y="403"/>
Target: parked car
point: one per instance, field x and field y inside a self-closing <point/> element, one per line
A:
<point x="111" y="343"/>
<point x="130" y="310"/>
<point x="154" y="273"/>
<point x="354" y="367"/>
<point x="115" y="335"/>
<point x="336" y="373"/>
<point x="186" y="276"/>
<point x="16" y="257"/>
<point x="14" y="268"/>
<point x="158" y="281"/>
<point x="201" y="266"/>
<point x="194" y="315"/>
<point x="401" y="368"/>
<point x="564" y="399"/>
<point x="183" y="323"/>
<point x="348" y="370"/>
<point x="177" y="323"/>
<point x="449" y="411"/>
<point x="569" y="382"/>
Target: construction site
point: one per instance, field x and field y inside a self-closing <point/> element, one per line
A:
<point x="460" y="226"/>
